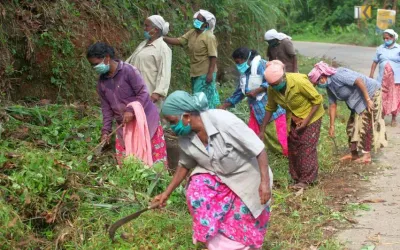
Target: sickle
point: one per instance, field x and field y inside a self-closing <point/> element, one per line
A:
<point x="334" y="143"/>
<point x="113" y="228"/>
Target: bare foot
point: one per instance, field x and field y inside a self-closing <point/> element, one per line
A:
<point x="394" y="123"/>
<point x="365" y="159"/>
<point x="298" y="186"/>
<point x="348" y="157"/>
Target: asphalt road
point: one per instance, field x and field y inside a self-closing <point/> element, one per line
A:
<point x="354" y="57"/>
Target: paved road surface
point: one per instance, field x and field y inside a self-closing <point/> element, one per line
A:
<point x="379" y="227"/>
<point x="354" y="57"/>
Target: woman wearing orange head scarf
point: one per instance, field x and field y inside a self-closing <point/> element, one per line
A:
<point x="295" y="93"/>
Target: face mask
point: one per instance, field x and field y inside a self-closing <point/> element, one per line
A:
<point x="322" y="85"/>
<point x="180" y="129"/>
<point x="388" y="43"/>
<point x="101" y="68"/>
<point x="147" y="35"/>
<point x="280" y="86"/>
<point x="197" y="24"/>
<point x="273" y="43"/>
<point x="243" y="67"/>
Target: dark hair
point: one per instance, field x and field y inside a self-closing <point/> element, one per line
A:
<point x="100" y="50"/>
<point x="243" y="53"/>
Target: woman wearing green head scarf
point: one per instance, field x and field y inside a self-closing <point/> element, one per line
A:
<point x="230" y="186"/>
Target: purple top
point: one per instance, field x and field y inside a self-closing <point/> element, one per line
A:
<point x="116" y="92"/>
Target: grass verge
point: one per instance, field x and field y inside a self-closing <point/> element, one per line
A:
<point x="352" y="38"/>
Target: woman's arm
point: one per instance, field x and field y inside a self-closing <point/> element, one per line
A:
<point x="179" y="176"/>
<point x="172" y="40"/>
<point x="107" y="112"/>
<point x="264" y="189"/>
<point x="211" y="69"/>
<point x="267" y="117"/>
<point x="373" y="67"/>
<point x="361" y="85"/>
<point x="306" y="121"/>
<point x="332" y="117"/>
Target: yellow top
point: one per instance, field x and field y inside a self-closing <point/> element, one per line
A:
<point x="200" y="48"/>
<point x="299" y="97"/>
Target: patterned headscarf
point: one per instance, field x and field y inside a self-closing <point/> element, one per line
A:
<point x="180" y="102"/>
<point x="319" y="70"/>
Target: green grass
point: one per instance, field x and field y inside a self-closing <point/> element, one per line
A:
<point x="52" y="197"/>
<point x="352" y="38"/>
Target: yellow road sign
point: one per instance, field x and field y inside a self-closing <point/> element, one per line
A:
<point x="365" y="12"/>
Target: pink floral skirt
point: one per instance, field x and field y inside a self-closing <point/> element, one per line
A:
<point x="216" y="209"/>
<point x="158" y="148"/>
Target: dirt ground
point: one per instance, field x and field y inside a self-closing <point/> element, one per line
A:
<point x="378" y="228"/>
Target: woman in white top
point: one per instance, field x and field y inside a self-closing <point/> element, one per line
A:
<point x="153" y="58"/>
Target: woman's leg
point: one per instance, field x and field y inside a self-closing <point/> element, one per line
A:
<point x="306" y="153"/>
<point x="352" y="145"/>
<point x="281" y="130"/>
<point x="119" y="151"/>
<point x="199" y="84"/>
<point x="271" y="139"/>
<point x="217" y="211"/>
<point x="253" y="124"/>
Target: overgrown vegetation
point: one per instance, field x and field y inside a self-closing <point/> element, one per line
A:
<point x="332" y="21"/>
<point x="43" y="43"/>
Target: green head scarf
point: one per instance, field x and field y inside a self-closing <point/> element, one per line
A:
<point x="180" y="102"/>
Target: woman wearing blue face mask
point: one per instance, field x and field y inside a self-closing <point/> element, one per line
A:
<point x="120" y="84"/>
<point x="388" y="58"/>
<point x="303" y="105"/>
<point x="153" y="58"/>
<point x="253" y="85"/>
<point x="230" y="186"/>
<point x="201" y="45"/>
<point x="363" y="97"/>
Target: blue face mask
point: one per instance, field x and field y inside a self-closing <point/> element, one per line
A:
<point x="280" y="86"/>
<point x="180" y="129"/>
<point x="322" y="85"/>
<point x="197" y="24"/>
<point x="243" y="67"/>
<point x="147" y="35"/>
<point x="388" y="43"/>
<point x="101" y="68"/>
